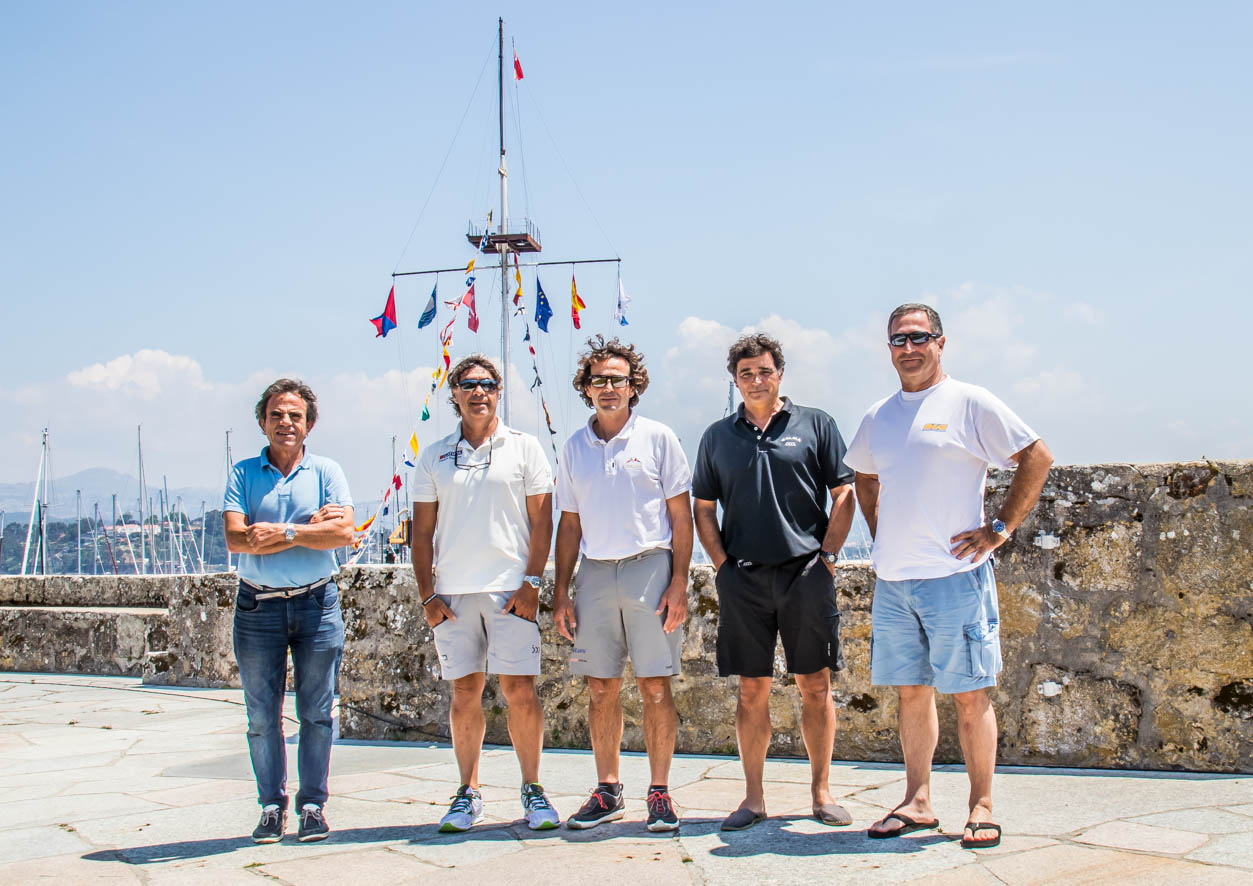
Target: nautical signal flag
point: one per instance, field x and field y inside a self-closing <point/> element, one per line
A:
<point x="543" y="310"/>
<point x="576" y="303"/>
<point x="386" y="321"/>
<point x="619" y="312"/>
<point x="517" y="67"/>
<point x="395" y="481"/>
<point x="468" y="300"/>
<point x="428" y="313"/>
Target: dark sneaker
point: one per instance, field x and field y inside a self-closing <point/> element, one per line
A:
<point x="465" y="810"/>
<point x="540" y="814"/>
<point x="271" y="827"/>
<point x="312" y="824"/>
<point x="661" y="814"/>
<point x="602" y="806"/>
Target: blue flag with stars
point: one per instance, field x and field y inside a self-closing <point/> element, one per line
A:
<point x="543" y="310"/>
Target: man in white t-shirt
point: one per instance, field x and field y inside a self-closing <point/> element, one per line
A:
<point x="623" y="489"/>
<point x="482" y="525"/>
<point x="921" y="458"/>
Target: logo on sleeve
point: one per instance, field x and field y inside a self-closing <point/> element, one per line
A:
<point x="934" y="426"/>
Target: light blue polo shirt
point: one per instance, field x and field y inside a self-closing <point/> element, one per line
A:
<point x="260" y="492"/>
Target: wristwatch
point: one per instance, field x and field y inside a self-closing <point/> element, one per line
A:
<point x="998" y="526"/>
<point x="829" y="557"/>
<point x="289" y="532"/>
<point x="533" y="580"/>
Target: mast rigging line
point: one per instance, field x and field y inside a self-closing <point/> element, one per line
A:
<point x="526" y="264"/>
<point x="452" y="144"/>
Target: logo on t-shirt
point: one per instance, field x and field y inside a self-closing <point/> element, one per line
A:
<point x="632" y="462"/>
<point x="452" y="453"/>
<point x="934" y="426"/>
<point x="790" y="440"/>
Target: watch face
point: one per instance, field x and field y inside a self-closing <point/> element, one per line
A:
<point x="998" y="525"/>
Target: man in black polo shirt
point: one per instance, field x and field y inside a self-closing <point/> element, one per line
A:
<point x="770" y="465"/>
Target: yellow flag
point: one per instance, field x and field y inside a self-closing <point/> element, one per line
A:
<point x="470" y="267"/>
<point x="413" y="442"/>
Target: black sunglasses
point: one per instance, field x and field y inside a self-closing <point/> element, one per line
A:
<point x="614" y="381"/>
<point x="488" y="385"/>
<point x="919" y="338"/>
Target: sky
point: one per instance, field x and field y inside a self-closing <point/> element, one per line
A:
<point x="199" y="198"/>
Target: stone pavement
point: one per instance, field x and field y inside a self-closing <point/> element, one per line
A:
<point x="104" y="780"/>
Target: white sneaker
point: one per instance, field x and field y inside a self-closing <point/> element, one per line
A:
<point x="465" y="811"/>
<point x="540" y="814"/>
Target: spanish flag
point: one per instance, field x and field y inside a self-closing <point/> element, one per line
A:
<point x="576" y="303"/>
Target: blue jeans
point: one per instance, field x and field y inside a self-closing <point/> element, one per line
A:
<point x="312" y="627"/>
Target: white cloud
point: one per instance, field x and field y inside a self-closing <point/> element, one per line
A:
<point x="145" y="373"/>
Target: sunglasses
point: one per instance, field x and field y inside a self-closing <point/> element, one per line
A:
<point x="488" y="385"/>
<point x="919" y="338"/>
<point x="614" y="381"/>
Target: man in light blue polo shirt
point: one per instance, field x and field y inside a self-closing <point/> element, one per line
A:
<point x="285" y="513"/>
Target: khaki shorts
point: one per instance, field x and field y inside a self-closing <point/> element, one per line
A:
<point x="615" y="607"/>
<point x="485" y="638"/>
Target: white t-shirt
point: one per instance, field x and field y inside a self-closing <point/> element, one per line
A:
<point x="619" y="487"/>
<point x="482" y="530"/>
<point x="931" y="450"/>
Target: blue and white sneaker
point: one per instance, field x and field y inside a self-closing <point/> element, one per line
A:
<point x="540" y="814"/>
<point x="465" y="811"/>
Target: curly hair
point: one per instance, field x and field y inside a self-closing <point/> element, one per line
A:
<point x="463" y="366"/>
<point x="289" y="386"/>
<point x="598" y="350"/>
<point x="754" y="345"/>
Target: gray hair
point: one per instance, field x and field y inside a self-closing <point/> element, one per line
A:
<point x="914" y="307"/>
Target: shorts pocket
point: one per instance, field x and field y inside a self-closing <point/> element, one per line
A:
<point x="835" y="652"/>
<point x="328" y="597"/>
<point x="246" y="601"/>
<point x="983" y="648"/>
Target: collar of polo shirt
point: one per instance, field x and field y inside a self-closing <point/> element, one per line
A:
<point x="786" y="407"/>
<point x="303" y="463"/>
<point x="621" y="435"/>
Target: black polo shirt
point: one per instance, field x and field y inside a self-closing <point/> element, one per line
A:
<point x="772" y="484"/>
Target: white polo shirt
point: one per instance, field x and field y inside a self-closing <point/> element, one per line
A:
<point x="619" y="487"/>
<point x="931" y="450"/>
<point x="482" y="531"/>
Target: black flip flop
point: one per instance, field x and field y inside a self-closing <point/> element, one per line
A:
<point x="976" y="826"/>
<point x="909" y="825"/>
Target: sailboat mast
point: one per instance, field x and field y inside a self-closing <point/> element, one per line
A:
<point x="43" y="510"/>
<point x="504" y="215"/>
<point x="34" y="509"/>
<point x="143" y="556"/>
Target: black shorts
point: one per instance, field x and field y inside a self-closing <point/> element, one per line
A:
<point x="795" y="600"/>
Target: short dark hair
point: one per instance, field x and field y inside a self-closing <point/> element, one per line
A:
<point x="598" y="349"/>
<point x="464" y="365"/>
<point x="289" y="386"/>
<point x="915" y="308"/>
<point x="754" y="345"/>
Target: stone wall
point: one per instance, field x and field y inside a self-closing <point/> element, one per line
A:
<point x="1126" y="620"/>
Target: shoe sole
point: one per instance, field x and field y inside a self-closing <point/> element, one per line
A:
<point x="450" y="828"/>
<point x="660" y="826"/>
<point x="267" y="839"/>
<point x="312" y="838"/>
<point x="584" y="825"/>
<point x="544" y="825"/>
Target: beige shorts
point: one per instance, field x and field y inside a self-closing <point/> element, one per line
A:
<point x="485" y="638"/>
<point x="615" y="607"/>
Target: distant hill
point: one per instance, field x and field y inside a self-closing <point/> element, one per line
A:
<point x="99" y="485"/>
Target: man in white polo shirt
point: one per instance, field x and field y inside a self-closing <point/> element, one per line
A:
<point x="623" y="489"/>
<point x="482" y="523"/>
<point x="921" y="457"/>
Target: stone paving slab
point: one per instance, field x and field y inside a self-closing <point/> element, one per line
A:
<point x="165" y="796"/>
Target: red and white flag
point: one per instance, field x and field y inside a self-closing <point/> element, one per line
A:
<point x="517" y="67"/>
